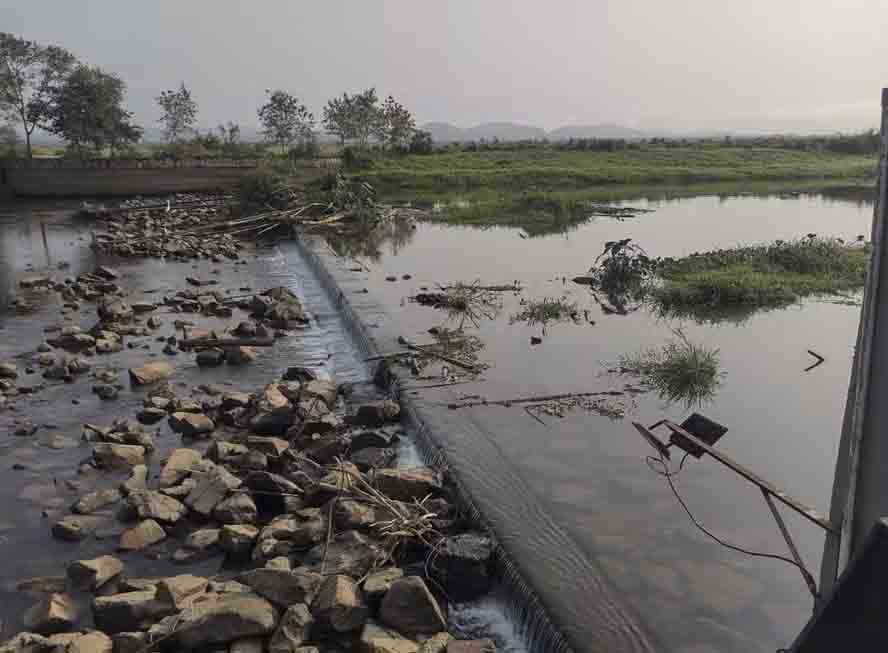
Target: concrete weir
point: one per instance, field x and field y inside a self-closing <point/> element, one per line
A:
<point x="560" y="598"/>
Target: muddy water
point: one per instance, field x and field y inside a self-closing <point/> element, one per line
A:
<point x="590" y="470"/>
<point x="38" y="238"/>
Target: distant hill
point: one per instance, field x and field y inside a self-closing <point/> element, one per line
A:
<point x="444" y="132"/>
<point x="505" y="131"/>
<point x="595" y="131"/>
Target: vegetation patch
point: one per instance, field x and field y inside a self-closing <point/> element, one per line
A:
<point x="545" y="311"/>
<point x="679" y="371"/>
<point x="759" y="276"/>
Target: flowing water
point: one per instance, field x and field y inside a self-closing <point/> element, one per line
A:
<point x="590" y="471"/>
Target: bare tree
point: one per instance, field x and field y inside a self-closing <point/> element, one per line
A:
<point x="29" y="75"/>
<point x="179" y="113"/>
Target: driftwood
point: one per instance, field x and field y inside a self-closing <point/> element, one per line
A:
<point x="205" y="343"/>
<point x="534" y="400"/>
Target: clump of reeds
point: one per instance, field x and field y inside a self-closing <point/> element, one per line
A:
<point x="547" y="310"/>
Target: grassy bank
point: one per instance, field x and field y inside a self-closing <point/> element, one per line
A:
<point x="758" y="276"/>
<point x="551" y="168"/>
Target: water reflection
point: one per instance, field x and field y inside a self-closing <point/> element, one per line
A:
<point x="368" y="243"/>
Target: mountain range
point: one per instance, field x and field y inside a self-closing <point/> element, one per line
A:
<point x="445" y="132"/>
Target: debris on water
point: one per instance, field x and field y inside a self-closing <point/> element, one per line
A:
<point x="465" y="302"/>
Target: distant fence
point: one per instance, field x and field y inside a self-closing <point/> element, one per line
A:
<point x="110" y="177"/>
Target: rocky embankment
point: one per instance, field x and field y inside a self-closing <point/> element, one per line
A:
<point x="324" y="543"/>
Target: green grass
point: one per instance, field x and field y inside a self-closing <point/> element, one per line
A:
<point x="552" y="169"/>
<point x="758" y="276"/>
<point x="546" y="310"/>
<point x="678" y="371"/>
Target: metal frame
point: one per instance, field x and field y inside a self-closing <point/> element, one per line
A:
<point x="769" y="491"/>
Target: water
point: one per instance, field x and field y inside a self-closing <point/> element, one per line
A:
<point x="590" y="471"/>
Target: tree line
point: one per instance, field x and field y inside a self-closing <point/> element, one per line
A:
<point x="46" y="87"/>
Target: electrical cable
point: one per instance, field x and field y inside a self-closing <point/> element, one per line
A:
<point x="668" y="475"/>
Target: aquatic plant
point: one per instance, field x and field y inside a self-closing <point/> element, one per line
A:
<point x="465" y="302"/>
<point x="759" y="276"/>
<point x="546" y="310"/>
<point x="679" y="370"/>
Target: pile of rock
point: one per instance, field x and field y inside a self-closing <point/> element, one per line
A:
<point x="327" y="545"/>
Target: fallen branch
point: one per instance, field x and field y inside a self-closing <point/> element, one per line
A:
<point x="534" y="400"/>
<point x="204" y="343"/>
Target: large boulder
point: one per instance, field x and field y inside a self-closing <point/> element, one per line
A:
<point x="239" y="508"/>
<point x="116" y="456"/>
<point x="407" y="484"/>
<point x="292" y="631"/>
<point x="128" y="611"/>
<point x="376" y="413"/>
<point x="237" y="539"/>
<point x="462" y="566"/>
<point x="376" y="638"/>
<point x="178" y="466"/>
<point x="274" y="412"/>
<point x="338" y="605"/>
<point x="92" y="574"/>
<point x="55" y="613"/>
<point x="149" y="504"/>
<point x="348" y="553"/>
<point x="175" y="591"/>
<point x="379" y="582"/>
<point x="283" y="587"/>
<point x="410" y="608"/>
<point x="89" y="503"/>
<point x="226" y="619"/>
<point x="141" y="536"/>
<point x="151" y="372"/>
<point x="324" y="391"/>
<point x="191" y="424"/>
<point x="211" y="489"/>
<point x="138" y="480"/>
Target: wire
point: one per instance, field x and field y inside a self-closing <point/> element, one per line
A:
<point x="669" y="475"/>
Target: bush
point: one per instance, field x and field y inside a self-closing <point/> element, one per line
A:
<point x="355" y="158"/>
<point x="421" y="143"/>
<point x="263" y="189"/>
<point x="307" y="150"/>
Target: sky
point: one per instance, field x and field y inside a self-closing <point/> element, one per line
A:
<point x="788" y="65"/>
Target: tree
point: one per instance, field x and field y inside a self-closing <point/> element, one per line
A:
<point x="29" y="75"/>
<point x="355" y="117"/>
<point x="87" y="111"/>
<point x="179" y="113"/>
<point x="230" y="135"/>
<point x="284" y="120"/>
<point x="396" y="125"/>
<point x="422" y="142"/>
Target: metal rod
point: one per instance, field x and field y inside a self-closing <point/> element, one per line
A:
<point x="793" y="503"/>
<point x="809" y="579"/>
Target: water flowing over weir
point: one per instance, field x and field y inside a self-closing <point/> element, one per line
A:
<point x="561" y="599"/>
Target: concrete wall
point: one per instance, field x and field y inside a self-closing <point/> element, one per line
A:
<point x="60" y="178"/>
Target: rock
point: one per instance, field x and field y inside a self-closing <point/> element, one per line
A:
<point x="178" y="466"/>
<point x="268" y="482"/>
<point x="149" y="504"/>
<point x="94" y="642"/>
<point x="292" y="631"/>
<point x="462" y="566"/>
<point x="230" y="452"/>
<point x="280" y="563"/>
<point x="230" y="617"/>
<point x="191" y="424"/>
<point x="371" y="458"/>
<point x="211" y="357"/>
<point x="138" y="480"/>
<point x="283" y="315"/>
<point x="151" y="373"/>
<point x="107" y="273"/>
<point x="274" y="412"/>
<point x="8" y="371"/>
<point x="407" y="484"/>
<point x="76" y="527"/>
<point x="143" y="307"/>
<point x="247" y="646"/>
<point x="25" y="428"/>
<point x="323" y="390"/>
<point x="55" y="613"/>
<point x="198" y="545"/>
<point x="145" y="534"/>
<point x="410" y="608"/>
<point x="211" y="489"/>
<point x="175" y="591"/>
<point x="377" y="438"/>
<point x="338" y="605"/>
<point x="327" y="449"/>
<point x="240" y="355"/>
<point x="378" y="583"/>
<point x="92" y="574"/>
<point x="271" y="447"/>
<point x="471" y="646"/>
<point x="376" y="413"/>
<point x="114" y="311"/>
<point x="106" y="392"/>
<point x="236" y="400"/>
<point x="129" y="611"/>
<point x="150" y="415"/>
<point x="349" y="553"/>
<point x="376" y="638"/>
<point x="130" y="642"/>
<point x="237" y="509"/>
<point x="237" y="539"/>
<point x="321" y="425"/>
<point x="436" y="643"/>
<point x="283" y="587"/>
<point x="353" y="514"/>
<point x="89" y="503"/>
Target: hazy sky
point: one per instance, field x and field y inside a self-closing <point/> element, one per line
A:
<point x="788" y="64"/>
